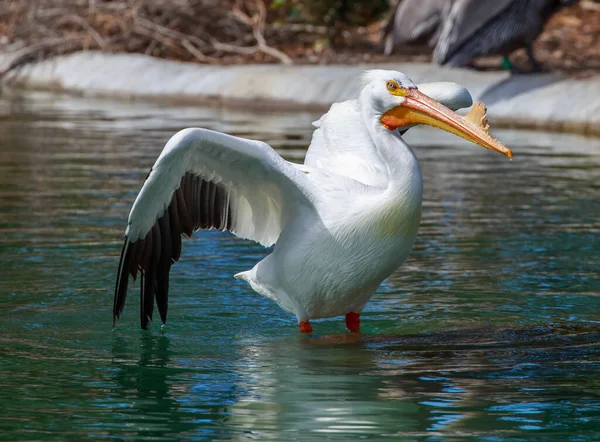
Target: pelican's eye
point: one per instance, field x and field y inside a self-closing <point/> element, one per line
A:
<point x="392" y="86"/>
<point x="395" y="89"/>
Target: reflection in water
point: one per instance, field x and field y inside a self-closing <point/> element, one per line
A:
<point x="145" y="384"/>
<point x="488" y="331"/>
<point x="414" y="385"/>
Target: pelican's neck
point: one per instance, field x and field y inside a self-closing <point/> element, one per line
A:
<point x="399" y="208"/>
<point x="403" y="166"/>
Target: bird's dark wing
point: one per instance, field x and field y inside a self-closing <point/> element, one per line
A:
<point x="462" y="19"/>
<point x="204" y="180"/>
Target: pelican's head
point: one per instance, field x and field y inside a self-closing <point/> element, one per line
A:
<point x="398" y="103"/>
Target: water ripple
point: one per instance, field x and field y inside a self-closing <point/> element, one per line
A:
<point x="489" y="331"/>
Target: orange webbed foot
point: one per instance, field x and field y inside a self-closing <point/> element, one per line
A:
<point x="305" y="327"/>
<point x="353" y="322"/>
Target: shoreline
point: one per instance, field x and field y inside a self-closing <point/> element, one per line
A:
<point x="545" y="101"/>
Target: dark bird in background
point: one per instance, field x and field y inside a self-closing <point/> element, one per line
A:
<point x="474" y="28"/>
<point x="415" y="22"/>
<point x="467" y="29"/>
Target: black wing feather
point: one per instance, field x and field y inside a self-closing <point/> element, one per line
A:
<point x="175" y="230"/>
<point x="196" y="204"/>
<point x="169" y="231"/>
<point x="122" y="280"/>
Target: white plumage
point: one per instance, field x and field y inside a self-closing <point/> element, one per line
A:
<point x="264" y="190"/>
<point x="341" y="222"/>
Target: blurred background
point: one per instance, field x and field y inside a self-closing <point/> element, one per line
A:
<point x="565" y="35"/>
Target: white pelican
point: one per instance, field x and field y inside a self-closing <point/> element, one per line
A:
<point x="341" y="223"/>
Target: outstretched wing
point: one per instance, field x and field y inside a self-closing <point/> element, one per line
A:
<point x="204" y="180"/>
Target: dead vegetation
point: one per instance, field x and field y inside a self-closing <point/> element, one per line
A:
<point x="206" y="31"/>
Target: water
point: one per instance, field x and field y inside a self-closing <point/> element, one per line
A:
<point x="489" y="331"/>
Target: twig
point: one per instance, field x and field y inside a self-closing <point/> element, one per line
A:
<point x="150" y="48"/>
<point x="24" y="55"/>
<point x="244" y="50"/>
<point x="258" y="24"/>
<point x="170" y="32"/>
<point x="85" y="25"/>
<point x="165" y="41"/>
<point x="196" y="52"/>
<point x="264" y="47"/>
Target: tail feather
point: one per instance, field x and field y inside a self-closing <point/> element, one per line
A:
<point x="243" y="275"/>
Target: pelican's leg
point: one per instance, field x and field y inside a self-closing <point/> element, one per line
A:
<point x="305" y="327"/>
<point x="302" y="317"/>
<point x="353" y="322"/>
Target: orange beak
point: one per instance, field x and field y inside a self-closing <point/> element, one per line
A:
<point x="418" y="108"/>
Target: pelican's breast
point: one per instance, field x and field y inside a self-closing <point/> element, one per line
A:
<point x="396" y="218"/>
<point x="397" y="213"/>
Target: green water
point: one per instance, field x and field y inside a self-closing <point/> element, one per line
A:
<point x="488" y="332"/>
